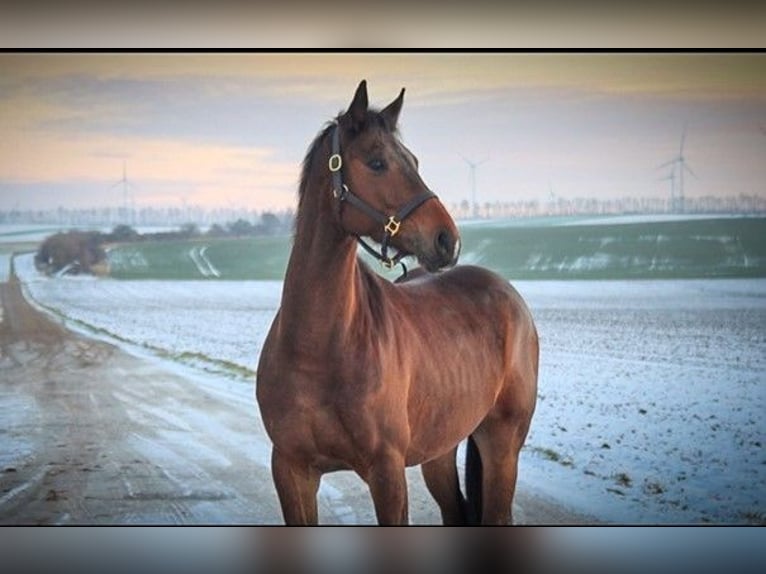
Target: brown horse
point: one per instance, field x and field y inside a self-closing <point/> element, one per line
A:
<point x="360" y="373"/>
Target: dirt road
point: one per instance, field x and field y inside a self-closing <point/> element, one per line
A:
<point x="90" y="434"/>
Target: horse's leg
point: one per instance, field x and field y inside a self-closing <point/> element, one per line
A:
<point x="297" y="487"/>
<point x="442" y="481"/>
<point x="388" y="487"/>
<point x="501" y="434"/>
<point x="499" y="443"/>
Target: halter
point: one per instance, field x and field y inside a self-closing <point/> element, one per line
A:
<point x="390" y="223"/>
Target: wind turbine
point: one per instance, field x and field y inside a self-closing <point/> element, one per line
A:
<point x="125" y="185"/>
<point x="551" y="195"/>
<point x="672" y="177"/>
<point x="473" y="165"/>
<point x="679" y="166"/>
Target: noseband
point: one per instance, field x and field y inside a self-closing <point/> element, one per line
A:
<point x="390" y="223"/>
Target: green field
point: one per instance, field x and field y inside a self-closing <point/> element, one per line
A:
<point x="674" y="249"/>
<point x="523" y="249"/>
<point x="249" y="258"/>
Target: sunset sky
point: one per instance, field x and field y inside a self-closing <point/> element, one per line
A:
<point x="230" y="130"/>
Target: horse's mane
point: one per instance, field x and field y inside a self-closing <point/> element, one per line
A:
<point x="308" y="158"/>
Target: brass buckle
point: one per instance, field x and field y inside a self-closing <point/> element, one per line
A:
<point x="335" y="162"/>
<point x="387" y="263"/>
<point x="392" y="226"/>
<point x="341" y="195"/>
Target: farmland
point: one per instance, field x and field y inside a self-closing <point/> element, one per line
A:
<point x="651" y="391"/>
<point x="237" y="259"/>
<point x="521" y="249"/>
<point x="651" y="375"/>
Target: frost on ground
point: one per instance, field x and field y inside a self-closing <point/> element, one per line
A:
<point x="218" y="325"/>
<point x="651" y="397"/>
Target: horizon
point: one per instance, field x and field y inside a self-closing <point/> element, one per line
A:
<point x="231" y="130"/>
<point x="627" y="209"/>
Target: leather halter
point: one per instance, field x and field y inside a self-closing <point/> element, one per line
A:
<point x="390" y="223"/>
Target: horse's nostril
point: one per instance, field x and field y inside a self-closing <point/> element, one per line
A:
<point x="445" y="244"/>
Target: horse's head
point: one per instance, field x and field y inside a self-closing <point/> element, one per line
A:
<point x="379" y="190"/>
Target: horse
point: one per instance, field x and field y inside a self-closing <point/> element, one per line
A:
<point x="360" y="373"/>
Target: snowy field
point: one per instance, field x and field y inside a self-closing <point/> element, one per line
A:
<point x="652" y="393"/>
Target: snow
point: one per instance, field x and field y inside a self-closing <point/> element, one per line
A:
<point x="223" y="321"/>
<point x="651" y="397"/>
<point x="651" y="393"/>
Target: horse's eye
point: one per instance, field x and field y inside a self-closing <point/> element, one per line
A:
<point x="376" y="165"/>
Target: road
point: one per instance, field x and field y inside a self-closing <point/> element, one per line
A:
<point x="92" y="434"/>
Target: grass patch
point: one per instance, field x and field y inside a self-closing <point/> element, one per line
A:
<point x="552" y="455"/>
<point x="238" y="259"/>
<point x="547" y="453"/>
<point x="733" y="247"/>
<point x="212" y="364"/>
<point x="755" y="517"/>
<point x="623" y="479"/>
<point x="653" y="488"/>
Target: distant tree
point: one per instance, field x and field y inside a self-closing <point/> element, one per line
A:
<point x="217" y="230"/>
<point x="270" y="223"/>
<point x="241" y="228"/>
<point x="189" y="230"/>
<point x="123" y="233"/>
<point x="79" y="251"/>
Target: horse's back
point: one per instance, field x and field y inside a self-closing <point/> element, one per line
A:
<point x="478" y="284"/>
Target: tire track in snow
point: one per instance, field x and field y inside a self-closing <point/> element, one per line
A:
<point x="201" y="261"/>
<point x="33" y="482"/>
<point x="210" y="266"/>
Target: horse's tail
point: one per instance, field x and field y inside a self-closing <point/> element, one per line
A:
<point x="473" y="481"/>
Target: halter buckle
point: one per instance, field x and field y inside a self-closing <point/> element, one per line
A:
<point x="340" y="195"/>
<point x="335" y="162"/>
<point x="392" y="226"/>
<point x="387" y="263"/>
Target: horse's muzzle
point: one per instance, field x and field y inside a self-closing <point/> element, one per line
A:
<point x="446" y="250"/>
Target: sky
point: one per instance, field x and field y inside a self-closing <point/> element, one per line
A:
<point x="231" y="129"/>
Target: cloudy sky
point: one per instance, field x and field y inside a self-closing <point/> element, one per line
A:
<point x="230" y="130"/>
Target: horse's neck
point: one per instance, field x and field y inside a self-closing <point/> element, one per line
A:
<point x="321" y="289"/>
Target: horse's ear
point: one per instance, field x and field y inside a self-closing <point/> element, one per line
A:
<point x="357" y="111"/>
<point x="391" y="112"/>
